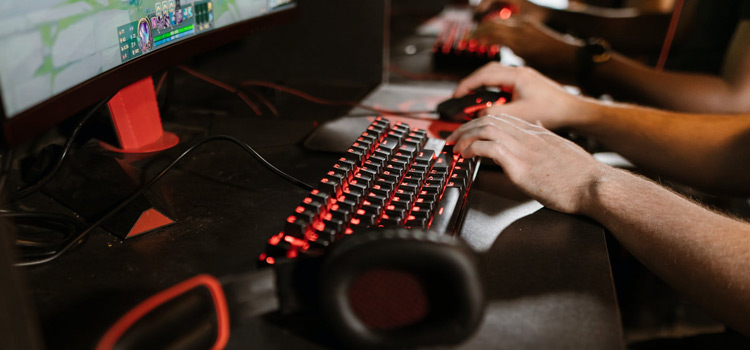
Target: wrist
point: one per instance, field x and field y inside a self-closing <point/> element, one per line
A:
<point x="601" y="182"/>
<point x="581" y="113"/>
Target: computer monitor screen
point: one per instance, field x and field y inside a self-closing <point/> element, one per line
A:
<point x="52" y="51"/>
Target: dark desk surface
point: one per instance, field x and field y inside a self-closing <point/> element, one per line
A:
<point x="547" y="274"/>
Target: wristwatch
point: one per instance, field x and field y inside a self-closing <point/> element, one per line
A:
<point x="595" y="51"/>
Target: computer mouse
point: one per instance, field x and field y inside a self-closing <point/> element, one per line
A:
<point x="463" y="109"/>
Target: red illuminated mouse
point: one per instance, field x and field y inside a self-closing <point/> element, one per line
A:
<point x="465" y="108"/>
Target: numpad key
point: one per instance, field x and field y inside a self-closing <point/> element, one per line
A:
<point x="391" y="176"/>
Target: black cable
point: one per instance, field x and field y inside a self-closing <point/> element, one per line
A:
<point x="23" y="193"/>
<point x="151" y="182"/>
<point x="64" y="224"/>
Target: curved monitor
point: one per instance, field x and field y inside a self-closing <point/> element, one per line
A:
<point x="59" y="56"/>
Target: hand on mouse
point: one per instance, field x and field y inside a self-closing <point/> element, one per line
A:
<point x="536" y="98"/>
<point x="547" y="167"/>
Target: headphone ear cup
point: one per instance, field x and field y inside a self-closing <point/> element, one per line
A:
<point x="400" y="288"/>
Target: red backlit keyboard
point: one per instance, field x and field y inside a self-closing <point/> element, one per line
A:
<point x="454" y="51"/>
<point x="391" y="176"/>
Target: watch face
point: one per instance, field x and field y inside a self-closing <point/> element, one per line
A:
<point x="599" y="50"/>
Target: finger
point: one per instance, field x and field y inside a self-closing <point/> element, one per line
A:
<point x="451" y="140"/>
<point x="491" y="74"/>
<point x="496" y="131"/>
<point x="484" y="6"/>
<point x="517" y="122"/>
<point x="495" y="150"/>
<point x="518" y="109"/>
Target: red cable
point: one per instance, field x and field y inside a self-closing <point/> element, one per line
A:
<point x="161" y="81"/>
<point x="265" y="101"/>
<point x="670" y="35"/>
<point x="224" y="86"/>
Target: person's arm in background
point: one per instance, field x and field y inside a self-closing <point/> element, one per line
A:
<point x="626" y="79"/>
<point x="700" y="253"/>
<point x="700" y="93"/>
<point x="631" y="29"/>
<point x="711" y="152"/>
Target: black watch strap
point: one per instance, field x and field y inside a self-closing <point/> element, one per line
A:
<point x="595" y="51"/>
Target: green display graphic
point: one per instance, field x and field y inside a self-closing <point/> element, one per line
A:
<point x="49" y="46"/>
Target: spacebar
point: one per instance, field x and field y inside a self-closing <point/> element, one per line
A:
<point x="447" y="211"/>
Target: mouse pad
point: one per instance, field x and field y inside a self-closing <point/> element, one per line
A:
<point x="338" y="134"/>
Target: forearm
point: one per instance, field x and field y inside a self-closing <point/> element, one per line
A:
<point x="706" y="151"/>
<point x="701" y="253"/>
<point x="697" y="93"/>
<point x="626" y="30"/>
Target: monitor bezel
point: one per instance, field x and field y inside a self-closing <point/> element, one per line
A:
<point x="44" y="116"/>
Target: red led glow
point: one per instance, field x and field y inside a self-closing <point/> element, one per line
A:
<point x="275" y="239"/>
<point x="355" y="221"/>
<point x="411" y="217"/>
<point x="366" y="203"/>
<point x="324" y="180"/>
<point x="420" y="200"/>
<point x="475" y="108"/>
<point x="262" y="256"/>
<point x="415" y="209"/>
<point x="270" y="260"/>
<point x="360" y="211"/>
<point x="296" y="242"/>
<point x="348" y="231"/>
<point x="377" y="187"/>
<point x="300" y="209"/>
<point x="335" y="207"/>
<point x="390" y="207"/>
<point x="505" y="13"/>
<point x="440" y="212"/>
<point x="307" y="200"/>
<point x="291" y="254"/>
<point x="327" y="216"/>
<point x="291" y="219"/>
<point x="311" y="236"/>
<point x="385" y="217"/>
<point x="314" y="191"/>
<point x="319" y="225"/>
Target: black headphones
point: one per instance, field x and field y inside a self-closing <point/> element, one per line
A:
<point x="388" y="288"/>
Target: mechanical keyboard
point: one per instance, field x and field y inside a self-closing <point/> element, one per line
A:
<point x="391" y="176"/>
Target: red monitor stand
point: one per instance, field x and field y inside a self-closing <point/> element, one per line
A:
<point x="137" y="123"/>
<point x="95" y="181"/>
<point x="135" y="116"/>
